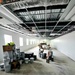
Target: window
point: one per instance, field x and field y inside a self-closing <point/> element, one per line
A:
<point x="31" y="41"/>
<point x="21" y="41"/>
<point x="7" y="38"/>
<point x="27" y="41"/>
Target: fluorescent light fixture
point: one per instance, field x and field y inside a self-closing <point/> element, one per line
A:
<point x="44" y="30"/>
<point x="53" y="34"/>
<point x="32" y="34"/>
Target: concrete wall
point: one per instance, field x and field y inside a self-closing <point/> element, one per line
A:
<point x="65" y="44"/>
<point x="15" y="39"/>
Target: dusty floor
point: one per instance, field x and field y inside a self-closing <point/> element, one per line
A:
<point x="61" y="66"/>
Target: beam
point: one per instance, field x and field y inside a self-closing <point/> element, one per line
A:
<point x="42" y="8"/>
<point x="64" y="27"/>
<point x="51" y="26"/>
<point x="48" y="21"/>
<point x="30" y="9"/>
<point x="32" y="20"/>
<point x="26" y="26"/>
<point x="68" y="9"/>
<point x="61" y="24"/>
<point x="45" y="19"/>
<point x="38" y="14"/>
<point x="59" y="13"/>
<point x="57" y="6"/>
<point x="56" y="25"/>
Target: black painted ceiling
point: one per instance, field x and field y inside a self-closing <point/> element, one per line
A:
<point x="41" y="16"/>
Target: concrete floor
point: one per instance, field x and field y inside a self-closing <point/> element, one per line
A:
<point x="62" y="65"/>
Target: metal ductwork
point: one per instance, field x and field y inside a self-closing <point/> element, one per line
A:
<point x="35" y="3"/>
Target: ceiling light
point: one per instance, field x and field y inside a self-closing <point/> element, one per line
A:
<point x="44" y="30"/>
<point x="32" y="34"/>
<point x="53" y="34"/>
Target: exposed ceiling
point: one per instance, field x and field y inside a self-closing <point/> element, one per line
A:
<point x="42" y="16"/>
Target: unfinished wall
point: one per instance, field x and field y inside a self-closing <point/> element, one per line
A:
<point x="65" y="44"/>
<point x="15" y="39"/>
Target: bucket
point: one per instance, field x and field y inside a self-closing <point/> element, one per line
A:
<point x="6" y="62"/>
<point x="7" y="68"/>
<point x="31" y="60"/>
<point x="26" y="60"/>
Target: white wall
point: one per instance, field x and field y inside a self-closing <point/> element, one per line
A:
<point x="65" y="44"/>
<point x="15" y="38"/>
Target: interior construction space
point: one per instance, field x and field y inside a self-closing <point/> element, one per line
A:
<point x="62" y="65"/>
<point x="37" y="37"/>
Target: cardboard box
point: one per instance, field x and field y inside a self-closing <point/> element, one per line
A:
<point x="8" y="48"/>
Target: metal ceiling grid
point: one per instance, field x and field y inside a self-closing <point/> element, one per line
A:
<point x="41" y="14"/>
<point x="32" y="20"/>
